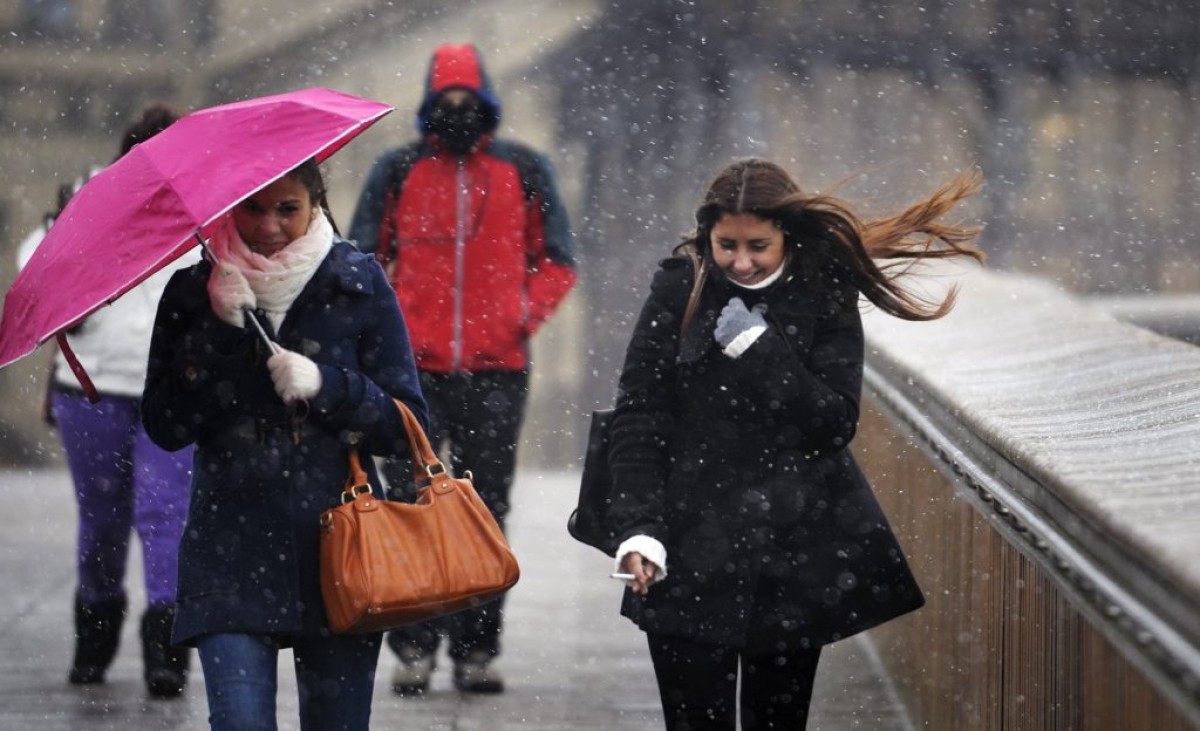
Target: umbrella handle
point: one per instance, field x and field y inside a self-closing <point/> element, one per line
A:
<point x="271" y="344"/>
<point x="204" y="245"/>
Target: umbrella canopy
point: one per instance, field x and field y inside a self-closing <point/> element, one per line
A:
<point x="154" y="203"/>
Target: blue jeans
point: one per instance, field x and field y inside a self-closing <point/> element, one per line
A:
<point x="335" y="675"/>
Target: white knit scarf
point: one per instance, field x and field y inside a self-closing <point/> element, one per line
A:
<point x="279" y="279"/>
<point x="771" y="278"/>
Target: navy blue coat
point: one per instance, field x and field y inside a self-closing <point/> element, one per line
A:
<point x="249" y="558"/>
<point x="741" y="468"/>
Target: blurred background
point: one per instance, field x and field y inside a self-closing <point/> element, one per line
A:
<point x="1082" y="115"/>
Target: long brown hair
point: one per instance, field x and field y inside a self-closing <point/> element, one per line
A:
<point x="826" y="238"/>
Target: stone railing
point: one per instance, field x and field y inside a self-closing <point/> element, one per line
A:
<point x="1176" y="316"/>
<point x="1050" y="511"/>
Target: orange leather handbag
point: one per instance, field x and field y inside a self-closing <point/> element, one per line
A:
<point x="386" y="563"/>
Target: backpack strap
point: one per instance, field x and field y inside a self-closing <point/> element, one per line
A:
<point x="388" y="248"/>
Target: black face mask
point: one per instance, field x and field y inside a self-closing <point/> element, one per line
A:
<point x="458" y="127"/>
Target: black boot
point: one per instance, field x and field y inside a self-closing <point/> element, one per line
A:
<point x="166" y="666"/>
<point x="97" y="637"/>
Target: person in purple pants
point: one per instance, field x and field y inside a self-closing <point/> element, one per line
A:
<point x="123" y="481"/>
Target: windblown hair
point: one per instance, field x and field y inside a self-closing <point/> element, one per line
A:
<point x="825" y="236"/>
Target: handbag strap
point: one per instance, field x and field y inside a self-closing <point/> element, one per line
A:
<point x="426" y="465"/>
<point x="425" y="462"/>
<point x="356" y="481"/>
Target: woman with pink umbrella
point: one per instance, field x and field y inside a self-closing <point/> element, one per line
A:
<point x="273" y="425"/>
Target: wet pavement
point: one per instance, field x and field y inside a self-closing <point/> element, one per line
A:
<point x="570" y="661"/>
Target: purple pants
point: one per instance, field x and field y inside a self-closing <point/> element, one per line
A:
<point x="123" y="482"/>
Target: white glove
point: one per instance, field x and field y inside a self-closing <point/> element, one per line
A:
<point x="296" y="378"/>
<point x="738" y="327"/>
<point x="230" y="294"/>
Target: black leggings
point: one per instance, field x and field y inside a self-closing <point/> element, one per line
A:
<point x="697" y="683"/>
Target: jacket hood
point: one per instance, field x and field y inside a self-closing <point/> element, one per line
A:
<point x="458" y="66"/>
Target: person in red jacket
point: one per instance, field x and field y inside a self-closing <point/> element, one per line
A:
<point x="478" y="247"/>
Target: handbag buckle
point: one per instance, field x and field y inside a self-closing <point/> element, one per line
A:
<point x="434" y="469"/>
<point x="351" y="493"/>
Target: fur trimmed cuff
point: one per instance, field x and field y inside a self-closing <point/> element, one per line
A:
<point x="651" y="549"/>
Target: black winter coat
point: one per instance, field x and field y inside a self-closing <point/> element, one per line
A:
<point x="249" y="557"/>
<point x="741" y="468"/>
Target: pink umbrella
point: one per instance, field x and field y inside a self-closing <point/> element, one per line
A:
<point x="155" y="203"/>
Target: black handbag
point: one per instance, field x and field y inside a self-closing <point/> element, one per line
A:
<point x="589" y="522"/>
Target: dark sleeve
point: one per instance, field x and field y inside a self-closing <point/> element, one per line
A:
<point x="644" y="419"/>
<point x="196" y="367"/>
<point x="358" y="403"/>
<point x="550" y="262"/>
<point x="559" y="242"/>
<point x="364" y="226"/>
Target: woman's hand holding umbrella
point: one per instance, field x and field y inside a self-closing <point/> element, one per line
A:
<point x="230" y="294"/>
<point x="296" y="377"/>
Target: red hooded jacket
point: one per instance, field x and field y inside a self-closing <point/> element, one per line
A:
<point x="479" y="244"/>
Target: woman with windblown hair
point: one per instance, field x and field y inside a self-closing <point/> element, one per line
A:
<point x="750" y="531"/>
